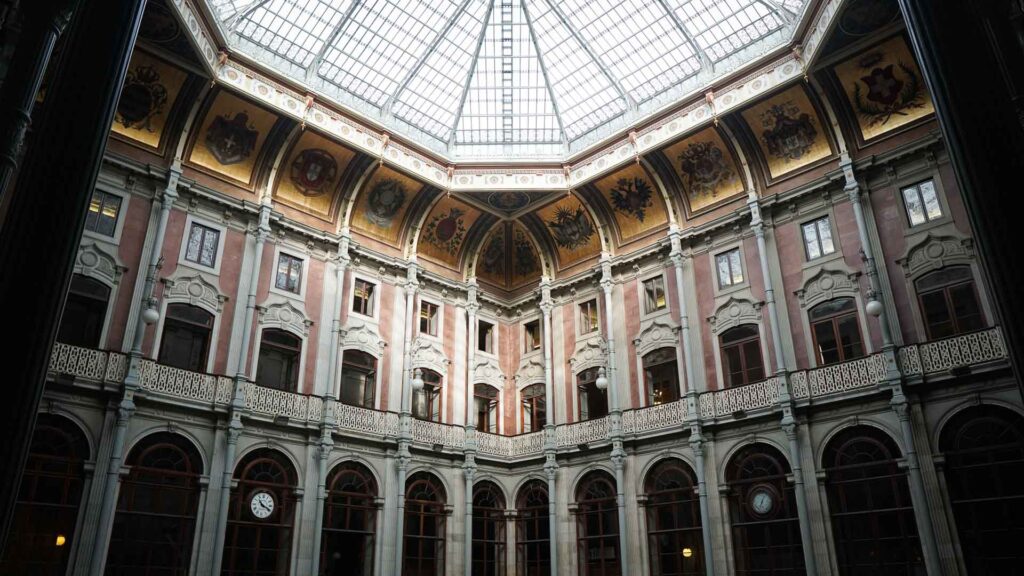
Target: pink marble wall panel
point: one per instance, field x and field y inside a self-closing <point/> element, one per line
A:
<point x="631" y="310"/>
<point x="133" y="236"/>
<point x="169" y="252"/>
<point x="314" y="303"/>
<point x="705" y="309"/>
<point x="448" y="342"/>
<point x="891" y="222"/>
<point x="387" y="311"/>
<point x="569" y="346"/>
<point x="790" y="247"/>
<point x="230" y="268"/>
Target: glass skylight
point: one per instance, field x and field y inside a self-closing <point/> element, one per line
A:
<point x="504" y="78"/>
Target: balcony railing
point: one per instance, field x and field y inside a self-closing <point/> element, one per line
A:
<point x="159" y="381"/>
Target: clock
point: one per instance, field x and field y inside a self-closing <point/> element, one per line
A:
<point x="761" y="500"/>
<point x="262" y="504"/>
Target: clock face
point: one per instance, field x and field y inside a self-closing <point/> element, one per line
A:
<point x="262" y="504"/>
<point x="762" y="501"/>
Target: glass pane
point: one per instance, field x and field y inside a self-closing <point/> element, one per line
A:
<point x="811" y="241"/>
<point x="825" y="236"/>
<point x="937" y="318"/>
<point x="932" y="208"/>
<point x="724" y="277"/>
<point x="965" y="308"/>
<point x="209" y="254"/>
<point x="915" y="210"/>
<point x="737" y="269"/>
<point x="752" y="357"/>
<point x="849" y="337"/>
<point x="195" y="239"/>
<point x="828" y="345"/>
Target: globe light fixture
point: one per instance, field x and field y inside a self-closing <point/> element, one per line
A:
<point x="687" y="552"/>
<point x="150" y="315"/>
<point x="61" y="540"/>
<point x="417" y="380"/>
<point x="602" y="380"/>
<point x="874" y="308"/>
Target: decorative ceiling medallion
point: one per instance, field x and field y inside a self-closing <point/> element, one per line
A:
<point x="446" y="231"/>
<point x="508" y="201"/>
<point x="313" y="171"/>
<point x="632" y="196"/>
<point x="571" y="228"/>
<point x="384" y="201"/>
<point x="705" y="170"/>
<point x="142" y="98"/>
<point x="231" y="139"/>
<point x="788" y="133"/>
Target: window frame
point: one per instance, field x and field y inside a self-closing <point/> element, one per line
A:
<point x="437" y="396"/>
<point x="211" y="343"/>
<point x="588" y="386"/>
<point x="532" y="519"/>
<point x="494" y="409"/>
<point x="939" y="199"/>
<point x="815" y="224"/>
<point x="582" y="317"/>
<point x="82" y="297"/>
<point x="645" y="310"/>
<point x="527" y="349"/>
<point x="833" y="319"/>
<point x="304" y="260"/>
<point x="529" y="403"/>
<point x="645" y="371"/>
<point x="296" y="385"/>
<point x="115" y="237"/>
<point x="365" y="369"/>
<point x="190" y="221"/>
<point x="370" y="309"/>
<point x="438" y="315"/>
<point x="723" y="347"/>
<point x="947" y="297"/>
<point x="743" y="280"/>
<point x="493" y="337"/>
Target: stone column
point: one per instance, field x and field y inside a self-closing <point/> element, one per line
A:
<point x="547" y="305"/>
<point x="697" y="442"/>
<point x="469" y="467"/>
<point x="469" y="471"/>
<point x="111" y="483"/>
<point x="678" y="259"/>
<point x="918" y="494"/>
<point x="405" y="416"/>
<point x="618" y="455"/>
<point x="323" y="455"/>
<point x="238" y="395"/>
<point x="43" y="215"/>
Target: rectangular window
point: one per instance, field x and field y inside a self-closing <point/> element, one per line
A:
<point x="818" y="238"/>
<point x="654" y="294"/>
<point x="588" y="317"/>
<point x="485" y="337"/>
<point x="531" y="333"/>
<point x="730" y="271"/>
<point x="922" y="203"/>
<point x="202" y="245"/>
<point x="362" y="297"/>
<point x="428" y="318"/>
<point x="289" y="273"/>
<point x="103" y="210"/>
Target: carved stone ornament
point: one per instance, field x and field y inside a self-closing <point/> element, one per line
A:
<point x="589" y="353"/>
<point x="362" y="336"/>
<point x="735" y="312"/>
<point x="934" y="252"/>
<point x="826" y="285"/>
<point x="286" y="316"/>
<point x="428" y="353"/>
<point x="195" y="290"/>
<point x="96" y="262"/>
<point x="531" y="371"/>
<point x="487" y="371"/>
<point x="658" y="334"/>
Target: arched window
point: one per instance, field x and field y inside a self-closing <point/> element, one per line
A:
<point x="48" y="501"/>
<point x="533" y="532"/>
<point x="156" y="509"/>
<point x="350" y="522"/>
<point x="835" y="331"/>
<point x="673" y="520"/>
<point x="84" y="311"/>
<point x="949" y="302"/>
<point x="186" y="339"/>
<point x="485" y="407"/>
<point x="534" y="409"/>
<point x="278" y="365"/>
<point x="765" y="528"/>
<point x="358" y="378"/>
<point x="488" y="530"/>
<point x="593" y="402"/>
<point x="597" y="526"/>
<point x="741" y="356"/>
<point x="423" y="552"/>
<point x="661" y="375"/>
<point x="984" y="451"/>
<point x="873" y="522"/>
<point x="426" y="403"/>
<point x="262" y="513"/>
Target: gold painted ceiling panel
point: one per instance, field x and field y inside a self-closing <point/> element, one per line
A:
<point x="572" y="230"/>
<point x="634" y="200"/>
<point x="383" y="201"/>
<point x="707" y="169"/>
<point x="444" y="231"/>
<point x="150" y="90"/>
<point x="788" y="130"/>
<point x="231" y="136"/>
<point x="309" y="177"/>
<point x="509" y="257"/>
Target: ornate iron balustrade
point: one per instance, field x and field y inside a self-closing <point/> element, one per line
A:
<point x="654" y="418"/>
<point x="860" y="373"/>
<point x="528" y="444"/>
<point x="582" y="432"/>
<point x="273" y="402"/>
<point x="84" y="363"/>
<point x="356" y="419"/>
<point x="964" y="350"/>
<point x="435" y="433"/>
<point x="717" y="403"/>
<point x="493" y="444"/>
<point x="177" y="382"/>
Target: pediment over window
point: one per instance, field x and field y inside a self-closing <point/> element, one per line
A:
<point x="935" y="252"/>
<point x="362" y="336"/>
<point x="530" y="371"/>
<point x="487" y="371"/>
<point x="194" y="289"/>
<point x="658" y="334"/>
<point x="827" y="285"/>
<point x="284" y="315"/>
<point x="735" y="312"/>
<point x="96" y="262"/>
<point x="589" y="353"/>
<point x="428" y="353"/>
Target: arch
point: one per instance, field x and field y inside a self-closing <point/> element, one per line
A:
<point x="49" y="498"/>
<point x="955" y="412"/>
<point x="672" y="510"/>
<point x="268" y="444"/>
<point x="142" y="435"/>
<point x="356" y="459"/>
<point x="597" y="524"/>
<point x="428" y="402"/>
<point x="349" y="521"/>
<point x="856" y="421"/>
<point x="489" y="538"/>
<point x="744" y="444"/>
<point x="158" y="504"/>
<point x="533" y="530"/>
<point x="487" y="411"/>
<point x="425" y="524"/>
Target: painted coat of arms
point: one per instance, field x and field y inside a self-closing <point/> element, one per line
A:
<point x="142" y="98"/>
<point x="884" y="92"/>
<point x="492" y="260"/>
<point x="632" y="196"/>
<point x="446" y="231"/>
<point x="231" y="139"/>
<point x="313" y="171"/>
<point x="571" y="228"/>
<point x="384" y="201"/>
<point x="789" y="133"/>
<point x="705" y="169"/>
<point x="525" y="256"/>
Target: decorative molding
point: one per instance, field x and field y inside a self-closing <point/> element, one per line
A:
<point x="284" y="315"/>
<point x="362" y="336"/>
<point x="589" y="353"/>
<point x="428" y="353"/>
<point x="735" y="312"/>
<point x="658" y="334"/>
<point x="827" y="284"/>
<point x="487" y="371"/>
<point x="934" y="252"/>
<point x="95" y="262"/>
<point x="530" y="371"/>
<point x="194" y="289"/>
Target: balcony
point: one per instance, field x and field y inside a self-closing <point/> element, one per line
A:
<point x="98" y="369"/>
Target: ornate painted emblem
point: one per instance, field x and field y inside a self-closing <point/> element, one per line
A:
<point x="888" y="93"/>
<point x="632" y="196"/>
<point x="789" y="133"/>
<point x="571" y="228"/>
<point x="231" y="140"/>
<point x="142" y="98"/>
<point x="313" y="171"/>
<point x="508" y="201"/>
<point x="492" y="259"/>
<point x="705" y="169"/>
<point x="446" y="230"/>
<point x="384" y="200"/>
<point x="525" y="255"/>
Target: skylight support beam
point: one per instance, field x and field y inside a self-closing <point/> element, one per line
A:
<point x="319" y="59"/>
<point x="244" y="13"/>
<point x="630" y="103"/>
<point x="705" y="61"/>
<point x="469" y="75"/>
<point x="787" y="16"/>
<point x="386" y="108"/>
<point x="544" y="71"/>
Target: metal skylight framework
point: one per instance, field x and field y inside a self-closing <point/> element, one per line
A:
<point x="505" y="78"/>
